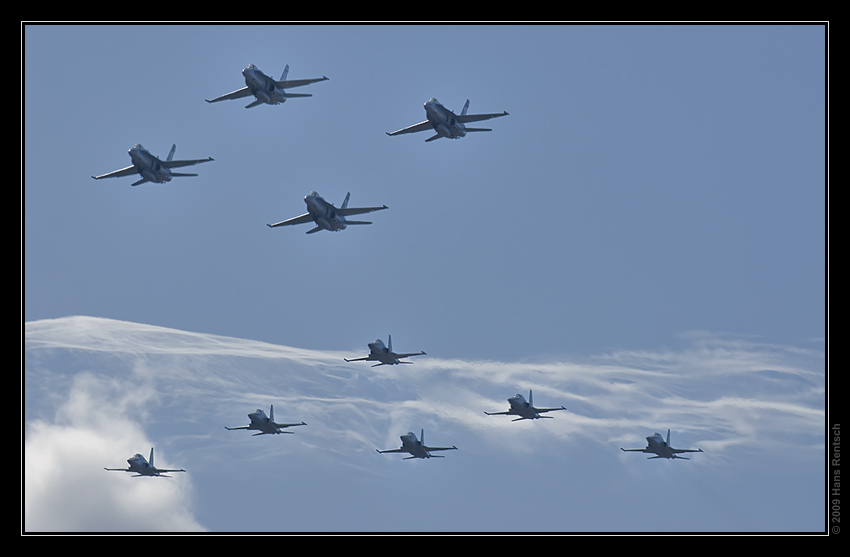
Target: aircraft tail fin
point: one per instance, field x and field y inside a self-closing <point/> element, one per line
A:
<point x="171" y="153"/>
<point x="150" y="460"/>
<point x="433" y="138"/>
<point x="182" y="174"/>
<point x="668" y="437"/>
<point x="465" y="108"/>
<point x="530" y="398"/>
<point x="294" y="95"/>
<point x="271" y="413"/>
<point x="478" y="129"/>
<point x="357" y="222"/>
<point x="142" y="181"/>
<point x="422" y="436"/>
<point x="284" y="74"/>
<point x="390" y="343"/>
<point x="345" y="203"/>
<point x="255" y="103"/>
<point x="313" y="230"/>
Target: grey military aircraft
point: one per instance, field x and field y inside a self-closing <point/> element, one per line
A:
<point x="524" y="409"/>
<point x="142" y="467"/>
<point x="446" y="123"/>
<point x="264" y="424"/>
<point x="325" y="215"/>
<point x="410" y="444"/>
<point x="656" y="444"/>
<point x="383" y="354"/>
<point x="266" y="89"/>
<point x="151" y="168"/>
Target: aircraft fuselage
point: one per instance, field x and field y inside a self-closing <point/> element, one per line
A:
<point x="323" y="213"/>
<point x="411" y="444"/>
<point x="656" y="444"/>
<point x="149" y="166"/>
<point x="443" y="120"/>
<point x="140" y="465"/>
<point x="262" y="86"/>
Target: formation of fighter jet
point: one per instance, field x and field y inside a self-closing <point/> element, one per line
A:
<point x="151" y="168"/>
<point x="446" y="123"/>
<point x="410" y="444"/>
<point x="142" y="467"/>
<point x="383" y="354"/>
<point x="265" y="89"/>
<point x="264" y="424"/>
<point x="656" y="444"/>
<point x="326" y="216"/>
<point x="524" y="409"/>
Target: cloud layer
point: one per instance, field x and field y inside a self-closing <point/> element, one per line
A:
<point x="99" y="390"/>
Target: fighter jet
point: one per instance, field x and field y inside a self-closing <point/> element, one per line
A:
<point x="325" y="215"/>
<point x="151" y="168"/>
<point x="410" y="444"/>
<point x="526" y="410"/>
<point x="264" y="424"/>
<point x="379" y="352"/>
<point x="446" y="123"/>
<point x="657" y="445"/>
<point x="141" y="467"/>
<point x="266" y="89"/>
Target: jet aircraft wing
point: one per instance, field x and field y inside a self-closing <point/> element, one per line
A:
<point x="238" y="94"/>
<point x="466" y="118"/>
<point x="178" y="164"/>
<point x="128" y="171"/>
<point x="496" y="413"/>
<point x="429" y="449"/>
<point x="347" y="212"/>
<point x="298" y="82"/>
<point x="549" y="409"/>
<point x="410" y="354"/>
<point x="301" y="219"/>
<point x="686" y="451"/>
<point x="356" y="359"/>
<point x="393" y="451"/>
<point x="420" y="127"/>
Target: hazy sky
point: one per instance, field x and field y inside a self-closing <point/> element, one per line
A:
<point x="641" y="240"/>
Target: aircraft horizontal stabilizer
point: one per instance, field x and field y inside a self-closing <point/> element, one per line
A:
<point x="478" y="129"/>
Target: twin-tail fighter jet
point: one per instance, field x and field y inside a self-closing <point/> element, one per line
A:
<point x="264" y="424"/>
<point x="325" y="215"/>
<point x="524" y="409"/>
<point x="266" y="89"/>
<point x="151" y="168"/>
<point x="446" y="123"/>
<point x="410" y="444"/>
<point x="657" y="445"/>
<point x="383" y="354"/>
<point x="142" y="467"/>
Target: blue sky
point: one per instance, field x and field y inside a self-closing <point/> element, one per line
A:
<point x="641" y="240"/>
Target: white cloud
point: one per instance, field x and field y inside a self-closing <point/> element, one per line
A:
<point x="65" y="486"/>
